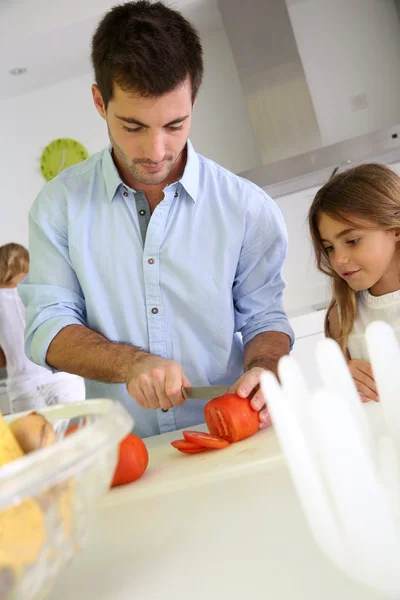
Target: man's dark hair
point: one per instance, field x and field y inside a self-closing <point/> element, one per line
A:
<point x="147" y="48"/>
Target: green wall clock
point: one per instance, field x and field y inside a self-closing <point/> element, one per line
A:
<point x="60" y="154"/>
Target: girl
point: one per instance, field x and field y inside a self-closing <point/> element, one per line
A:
<point x="355" y="228"/>
<point x="28" y="385"/>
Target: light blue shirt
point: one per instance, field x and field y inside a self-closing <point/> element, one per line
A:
<point x="182" y="283"/>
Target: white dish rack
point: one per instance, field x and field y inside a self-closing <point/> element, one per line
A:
<point x="346" y="474"/>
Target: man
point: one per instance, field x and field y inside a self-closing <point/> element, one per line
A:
<point x="148" y="260"/>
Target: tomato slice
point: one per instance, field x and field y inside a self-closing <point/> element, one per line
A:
<point x="187" y="447"/>
<point x="231" y="418"/>
<point x="205" y="439"/>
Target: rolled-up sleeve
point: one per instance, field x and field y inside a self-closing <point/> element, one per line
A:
<point x="51" y="293"/>
<point x="259" y="285"/>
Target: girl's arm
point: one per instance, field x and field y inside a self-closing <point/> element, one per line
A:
<point x="360" y="370"/>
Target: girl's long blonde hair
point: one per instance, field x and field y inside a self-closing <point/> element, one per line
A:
<point x="14" y="260"/>
<point x="370" y="192"/>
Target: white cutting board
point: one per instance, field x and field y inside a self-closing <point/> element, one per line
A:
<point x="170" y="470"/>
<point x="239" y="537"/>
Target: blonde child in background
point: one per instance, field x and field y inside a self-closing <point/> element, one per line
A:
<point x="28" y="385"/>
<point x="354" y="222"/>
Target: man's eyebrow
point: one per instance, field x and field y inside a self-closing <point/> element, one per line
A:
<point x="134" y="121"/>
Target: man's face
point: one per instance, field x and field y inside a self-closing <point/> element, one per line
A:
<point x="147" y="134"/>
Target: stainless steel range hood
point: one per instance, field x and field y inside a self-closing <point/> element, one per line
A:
<point x="314" y="168"/>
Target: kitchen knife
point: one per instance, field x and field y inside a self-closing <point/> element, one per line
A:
<point x="204" y="392"/>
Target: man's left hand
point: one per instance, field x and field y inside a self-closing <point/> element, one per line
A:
<point x="248" y="386"/>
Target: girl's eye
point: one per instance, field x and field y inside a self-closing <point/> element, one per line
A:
<point x="328" y="249"/>
<point x="353" y="242"/>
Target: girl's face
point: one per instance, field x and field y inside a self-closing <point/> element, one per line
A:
<point x="366" y="258"/>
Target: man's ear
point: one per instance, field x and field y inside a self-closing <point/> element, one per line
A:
<point x="98" y="101"/>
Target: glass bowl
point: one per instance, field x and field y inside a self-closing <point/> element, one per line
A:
<point x="47" y="497"/>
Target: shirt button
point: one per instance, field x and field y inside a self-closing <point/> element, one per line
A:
<point x="126" y="193"/>
<point x="142" y="213"/>
<point x="151" y="261"/>
<point x="154" y="310"/>
<point x="176" y="195"/>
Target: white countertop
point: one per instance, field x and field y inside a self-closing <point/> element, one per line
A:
<point x="220" y="526"/>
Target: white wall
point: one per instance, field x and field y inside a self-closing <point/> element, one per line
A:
<point x="349" y="47"/>
<point x="31" y="122"/>
<point x="221" y="130"/>
<point x="221" y="127"/>
<point x="15" y="26"/>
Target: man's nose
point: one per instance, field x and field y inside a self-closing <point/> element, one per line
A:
<point x="155" y="148"/>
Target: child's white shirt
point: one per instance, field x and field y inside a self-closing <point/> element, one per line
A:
<point x="373" y="308"/>
<point x="23" y="375"/>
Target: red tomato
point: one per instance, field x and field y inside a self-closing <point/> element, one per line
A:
<point x="71" y="429"/>
<point x="74" y="427"/>
<point x="205" y="439"/>
<point x="231" y="418"/>
<point x="187" y="447"/>
<point x="132" y="462"/>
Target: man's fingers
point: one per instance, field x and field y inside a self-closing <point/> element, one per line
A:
<point x="162" y="398"/>
<point x="159" y="386"/>
<point x="174" y="381"/>
<point x="248" y="382"/>
<point x="147" y="385"/>
<point x="136" y="393"/>
<point x="165" y="403"/>
<point x="257" y="402"/>
<point x="265" y="418"/>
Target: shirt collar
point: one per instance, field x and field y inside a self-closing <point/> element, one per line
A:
<point x="189" y="179"/>
<point x="110" y="173"/>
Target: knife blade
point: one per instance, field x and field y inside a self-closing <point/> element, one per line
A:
<point x="205" y="392"/>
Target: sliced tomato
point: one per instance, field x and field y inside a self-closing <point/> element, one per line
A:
<point x="187" y="447"/>
<point x="205" y="439"/>
<point x="231" y="418"/>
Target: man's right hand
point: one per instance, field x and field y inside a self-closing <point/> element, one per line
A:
<point x="155" y="382"/>
<point x="361" y="372"/>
